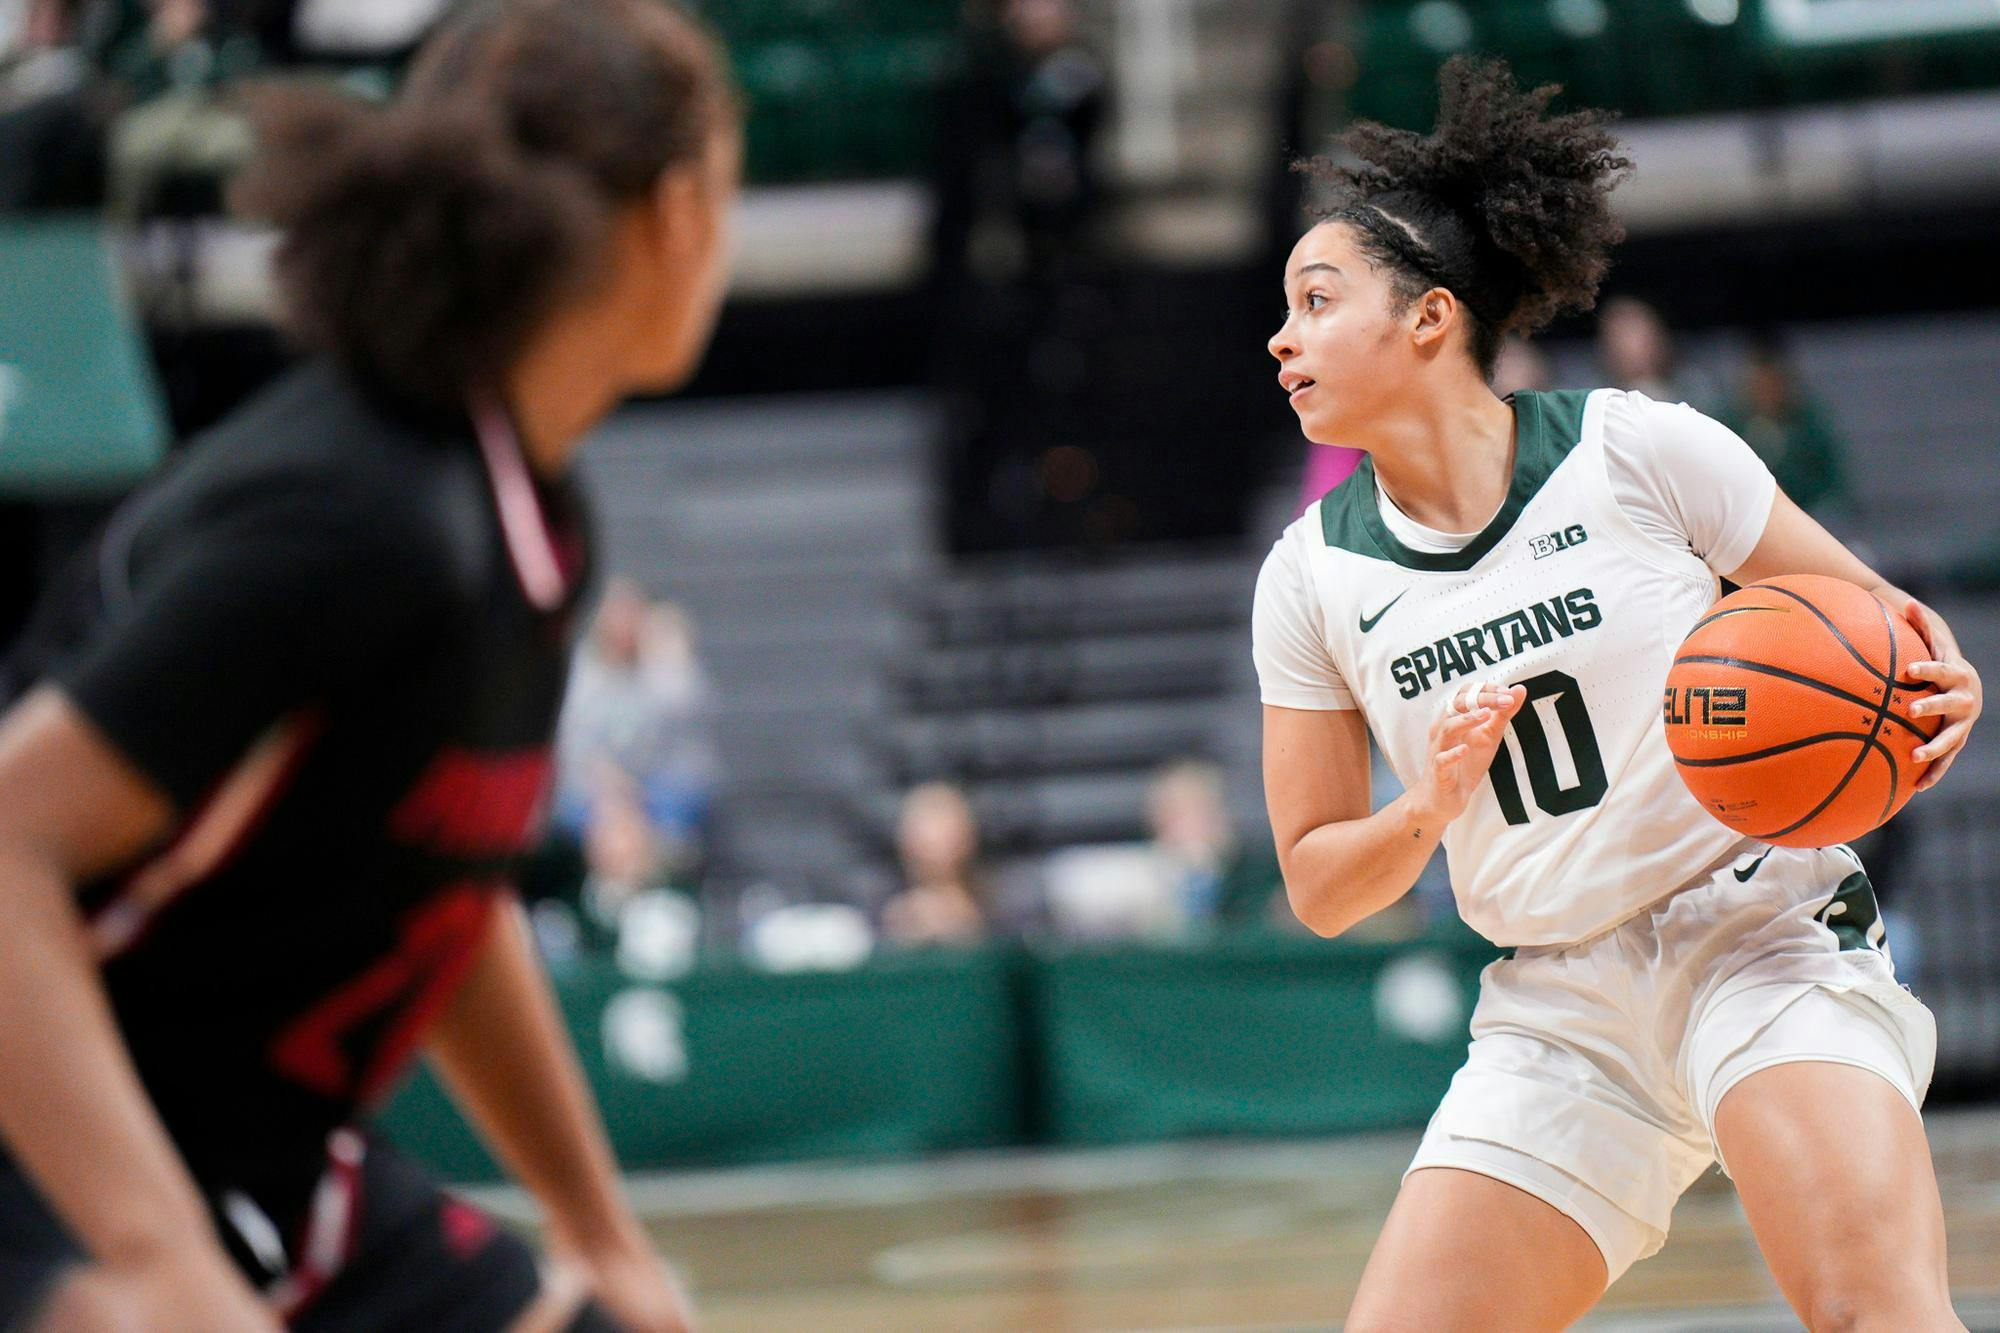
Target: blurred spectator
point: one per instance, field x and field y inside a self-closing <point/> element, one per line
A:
<point x="1211" y="872"/>
<point x="636" y="768"/>
<point x="175" y="60"/>
<point x="946" y="896"/>
<point x="1020" y="185"/>
<point x="1780" y="419"/>
<point x="160" y="46"/>
<point x="1520" y="367"/>
<point x="1015" y="271"/>
<point x="52" y="121"/>
<point x="1635" y="351"/>
<point x="1194" y="872"/>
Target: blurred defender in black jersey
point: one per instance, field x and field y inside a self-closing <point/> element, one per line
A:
<point x="274" y="747"/>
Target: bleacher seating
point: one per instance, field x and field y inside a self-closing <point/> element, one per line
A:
<point x="789" y="529"/>
<point x="1054" y="690"/>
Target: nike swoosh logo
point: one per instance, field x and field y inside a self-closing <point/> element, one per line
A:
<point x="1370" y="622"/>
<point x="1743" y="875"/>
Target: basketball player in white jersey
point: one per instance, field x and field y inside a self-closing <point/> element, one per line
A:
<point x="1495" y="596"/>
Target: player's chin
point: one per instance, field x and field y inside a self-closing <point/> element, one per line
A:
<point x="1319" y="425"/>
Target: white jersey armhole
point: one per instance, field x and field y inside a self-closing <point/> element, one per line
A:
<point x="1295" y="664"/>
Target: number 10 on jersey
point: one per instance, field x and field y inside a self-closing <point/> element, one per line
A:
<point x="1551" y="794"/>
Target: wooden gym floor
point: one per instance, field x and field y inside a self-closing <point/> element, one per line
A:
<point x="1190" y="1236"/>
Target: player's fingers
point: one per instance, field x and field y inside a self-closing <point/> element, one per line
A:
<point x="1952" y="703"/>
<point x="1492" y="727"/>
<point x="1453" y="727"/>
<point x="1935" y="773"/>
<point x="1932" y="629"/>
<point x="1918" y="615"/>
<point x="1445" y="765"/>
<point x="1946" y="742"/>
<point x="1946" y="674"/>
<point x="1476" y="694"/>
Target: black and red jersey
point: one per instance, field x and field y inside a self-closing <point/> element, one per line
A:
<point x="338" y="641"/>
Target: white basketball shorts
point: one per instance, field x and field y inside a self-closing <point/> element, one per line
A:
<point x="1596" y="1068"/>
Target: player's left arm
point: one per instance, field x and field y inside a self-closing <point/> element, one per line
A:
<point x="1794" y="543"/>
<point x="501" y="1048"/>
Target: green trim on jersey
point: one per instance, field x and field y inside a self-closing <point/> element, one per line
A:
<point x="1546" y="427"/>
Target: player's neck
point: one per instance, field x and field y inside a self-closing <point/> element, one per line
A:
<point x="1447" y="461"/>
<point x="562" y="386"/>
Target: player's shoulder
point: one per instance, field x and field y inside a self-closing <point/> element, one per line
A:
<point x="1633" y="412"/>
<point x="312" y="460"/>
<point x="1643" y="435"/>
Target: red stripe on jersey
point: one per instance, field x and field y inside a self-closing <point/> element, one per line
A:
<point x="212" y="835"/>
<point x="325" y="1048"/>
<point x="475" y="803"/>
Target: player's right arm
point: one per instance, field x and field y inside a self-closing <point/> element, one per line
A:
<point x="72" y="1108"/>
<point x="1342" y="863"/>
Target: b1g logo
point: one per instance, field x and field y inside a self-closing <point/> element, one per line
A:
<point x="1550" y="542"/>
<point x="1706" y="706"/>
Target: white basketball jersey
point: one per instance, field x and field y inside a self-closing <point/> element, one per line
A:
<point x="1582" y="820"/>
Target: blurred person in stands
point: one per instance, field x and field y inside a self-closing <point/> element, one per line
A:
<point x="946" y="896"/>
<point x="635" y="761"/>
<point x="1777" y="415"/>
<point x="1020" y="188"/>
<point x="291" y="723"/>
<point x="1213" y="874"/>
<point x="1636" y="351"/>
<point x="52" y="117"/>
<point x="1014" y="269"/>
<point x="184" y="134"/>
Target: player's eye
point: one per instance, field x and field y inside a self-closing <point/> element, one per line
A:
<point x="1314" y="300"/>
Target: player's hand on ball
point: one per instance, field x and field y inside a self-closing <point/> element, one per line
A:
<point x="1463" y="741"/>
<point x="1959" y="698"/>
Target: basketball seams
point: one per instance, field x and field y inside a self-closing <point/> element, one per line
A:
<point x="1841" y="636"/>
<point x="1714" y="616"/>
<point x="1888" y="698"/>
<point x="1888" y="681"/>
<point x="1867" y="739"/>
<point x="1766" y="669"/>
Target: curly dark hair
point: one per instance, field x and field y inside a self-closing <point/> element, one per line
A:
<point x="425" y="240"/>
<point x="1505" y="205"/>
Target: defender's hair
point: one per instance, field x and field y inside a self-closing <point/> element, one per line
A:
<point x="425" y="239"/>
<point x="1504" y="205"/>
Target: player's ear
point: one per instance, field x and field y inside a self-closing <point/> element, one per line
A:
<point x="1432" y="316"/>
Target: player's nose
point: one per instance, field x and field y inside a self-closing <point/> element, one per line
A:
<point x="1282" y="344"/>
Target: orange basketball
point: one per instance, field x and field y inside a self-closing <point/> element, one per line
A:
<point x="1787" y="710"/>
